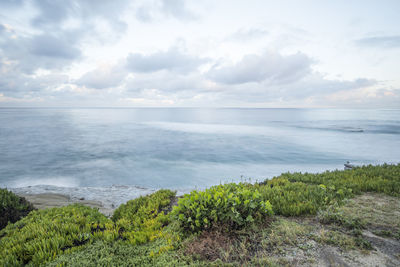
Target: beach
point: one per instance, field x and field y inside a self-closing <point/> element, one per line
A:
<point x="52" y="200"/>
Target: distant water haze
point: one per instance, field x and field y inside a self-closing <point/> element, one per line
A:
<point x="185" y="148"/>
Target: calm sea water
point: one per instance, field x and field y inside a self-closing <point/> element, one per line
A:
<point x="186" y="148"/>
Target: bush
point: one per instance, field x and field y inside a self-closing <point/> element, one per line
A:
<point x="293" y="194"/>
<point x="297" y="198"/>
<point x="381" y="179"/>
<point x="140" y="220"/>
<point x="231" y="205"/>
<point x="12" y="207"/>
<point x="44" y="234"/>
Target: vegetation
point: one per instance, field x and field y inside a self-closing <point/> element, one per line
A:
<point x="231" y="205"/>
<point x="121" y="253"/>
<point x="225" y="225"/>
<point x="141" y="220"/>
<point x="44" y="234"/>
<point x="298" y="198"/>
<point x="382" y="179"/>
<point x="12" y="207"/>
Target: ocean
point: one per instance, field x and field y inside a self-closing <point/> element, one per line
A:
<point x="132" y="151"/>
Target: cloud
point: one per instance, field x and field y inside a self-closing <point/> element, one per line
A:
<point x="103" y="77"/>
<point x="270" y="66"/>
<point x="15" y="84"/>
<point x="176" y="9"/>
<point x="168" y="82"/>
<point x="149" y="11"/>
<point x="50" y="46"/>
<point x="171" y="60"/>
<point x="47" y="51"/>
<point x="54" y="12"/>
<point x="245" y="35"/>
<point x="11" y="3"/>
<point x="380" y="41"/>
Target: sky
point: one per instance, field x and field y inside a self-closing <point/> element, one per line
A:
<point x="186" y="53"/>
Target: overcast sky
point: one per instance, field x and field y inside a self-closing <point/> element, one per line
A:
<point x="90" y="53"/>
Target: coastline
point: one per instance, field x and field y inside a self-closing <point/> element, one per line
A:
<point x="54" y="200"/>
<point x="105" y="199"/>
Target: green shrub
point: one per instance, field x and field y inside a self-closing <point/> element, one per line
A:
<point x="44" y="234"/>
<point x="140" y="220"/>
<point x="232" y="205"/>
<point x="381" y="178"/>
<point x="297" y="198"/>
<point x="12" y="207"/>
<point x="293" y="194"/>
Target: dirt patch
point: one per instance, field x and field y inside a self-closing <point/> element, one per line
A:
<point x="210" y="245"/>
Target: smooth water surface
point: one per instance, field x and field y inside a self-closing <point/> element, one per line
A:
<point x="186" y="148"/>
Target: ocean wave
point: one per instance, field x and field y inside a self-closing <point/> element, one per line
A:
<point x="62" y="182"/>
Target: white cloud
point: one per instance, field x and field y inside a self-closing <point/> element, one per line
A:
<point x="103" y="77"/>
<point x="172" y="59"/>
<point x="270" y="66"/>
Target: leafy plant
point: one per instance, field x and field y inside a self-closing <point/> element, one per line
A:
<point x="297" y="198"/>
<point x="232" y="205"/>
<point x="12" y="207"/>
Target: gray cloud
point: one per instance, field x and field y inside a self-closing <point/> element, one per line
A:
<point x="11" y="3"/>
<point x="51" y="46"/>
<point x="16" y="84"/>
<point x="257" y="68"/>
<point x="53" y="12"/>
<point x="172" y="60"/>
<point x="46" y="51"/>
<point x="380" y="41"/>
<point x="177" y="9"/>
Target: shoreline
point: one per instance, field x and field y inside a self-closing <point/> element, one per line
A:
<point x="54" y="200"/>
<point x="105" y="199"/>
